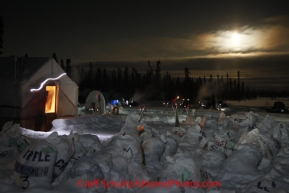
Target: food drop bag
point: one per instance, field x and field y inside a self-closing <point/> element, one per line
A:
<point x="35" y="165"/>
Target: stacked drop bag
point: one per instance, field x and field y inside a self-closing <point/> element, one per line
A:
<point x="248" y="156"/>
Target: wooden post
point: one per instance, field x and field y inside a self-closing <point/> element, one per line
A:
<point x="177" y="122"/>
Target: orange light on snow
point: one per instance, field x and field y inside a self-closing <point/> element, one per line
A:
<point x="51" y="99"/>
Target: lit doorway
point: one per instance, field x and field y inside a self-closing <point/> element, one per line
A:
<point x="50" y="104"/>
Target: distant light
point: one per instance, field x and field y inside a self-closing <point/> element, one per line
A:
<point x="114" y="102"/>
<point x="41" y="85"/>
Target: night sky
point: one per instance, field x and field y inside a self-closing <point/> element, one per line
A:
<point x="208" y="37"/>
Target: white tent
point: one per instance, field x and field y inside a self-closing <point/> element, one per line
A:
<point x="58" y="96"/>
<point x="96" y="101"/>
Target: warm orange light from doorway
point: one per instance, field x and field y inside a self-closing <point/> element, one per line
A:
<point x="50" y="99"/>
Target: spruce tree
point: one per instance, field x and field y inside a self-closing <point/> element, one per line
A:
<point x="238" y="83"/>
<point x="158" y="73"/>
<point x="68" y="67"/>
<point x="54" y="56"/>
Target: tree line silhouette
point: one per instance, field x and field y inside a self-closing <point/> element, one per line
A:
<point x="155" y="85"/>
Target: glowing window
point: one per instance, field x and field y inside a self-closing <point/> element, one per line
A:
<point x="50" y="99"/>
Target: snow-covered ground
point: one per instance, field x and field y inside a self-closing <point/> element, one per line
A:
<point x="243" y="149"/>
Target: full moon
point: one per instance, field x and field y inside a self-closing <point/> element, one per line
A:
<point x="235" y="38"/>
<point x="233" y="41"/>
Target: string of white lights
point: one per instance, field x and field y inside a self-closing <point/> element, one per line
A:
<point x="41" y="85"/>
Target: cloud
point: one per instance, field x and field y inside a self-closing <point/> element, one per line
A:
<point x="145" y="49"/>
<point x="280" y="19"/>
<point x="270" y="36"/>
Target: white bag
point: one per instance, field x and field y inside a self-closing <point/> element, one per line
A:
<point x="85" y="176"/>
<point x="153" y="149"/>
<point x="240" y="167"/>
<point x="171" y="147"/>
<point x="35" y="165"/>
<point x="178" y="133"/>
<point x="250" y="123"/>
<point x="266" y="124"/>
<point x="193" y="135"/>
<point x="87" y="140"/>
<point x="79" y="151"/>
<point x="65" y="148"/>
<point x="11" y="136"/>
<point x="181" y="167"/>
